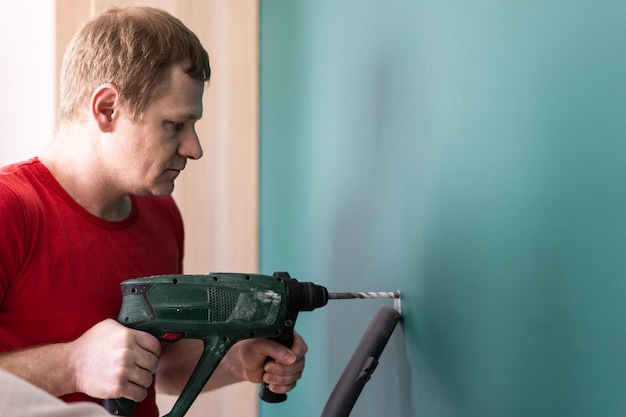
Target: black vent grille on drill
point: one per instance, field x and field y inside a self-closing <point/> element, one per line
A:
<point x="222" y="303"/>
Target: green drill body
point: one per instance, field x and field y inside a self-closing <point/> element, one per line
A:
<point x="221" y="309"/>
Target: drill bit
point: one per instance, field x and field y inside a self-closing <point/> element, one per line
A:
<point x="397" y="302"/>
<point x="348" y="295"/>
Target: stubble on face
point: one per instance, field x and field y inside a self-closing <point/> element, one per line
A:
<point x="159" y="144"/>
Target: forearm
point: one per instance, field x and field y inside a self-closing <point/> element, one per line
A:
<point x="44" y="366"/>
<point x="107" y="361"/>
<point x="21" y="399"/>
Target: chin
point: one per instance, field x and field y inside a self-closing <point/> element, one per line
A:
<point x="163" y="191"/>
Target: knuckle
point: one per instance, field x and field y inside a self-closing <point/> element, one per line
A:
<point x="140" y="395"/>
<point x="154" y="364"/>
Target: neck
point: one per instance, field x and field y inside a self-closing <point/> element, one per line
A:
<point x="82" y="175"/>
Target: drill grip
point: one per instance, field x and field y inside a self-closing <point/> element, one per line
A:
<point x="285" y="338"/>
<point x="267" y="395"/>
<point x="119" y="406"/>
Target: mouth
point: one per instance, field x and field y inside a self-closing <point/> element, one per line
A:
<point x="177" y="169"/>
<point x="173" y="172"/>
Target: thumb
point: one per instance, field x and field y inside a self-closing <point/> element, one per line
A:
<point x="280" y="353"/>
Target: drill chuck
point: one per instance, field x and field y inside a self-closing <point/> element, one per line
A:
<point x="311" y="296"/>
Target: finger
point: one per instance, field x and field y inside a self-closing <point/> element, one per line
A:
<point x="281" y="354"/>
<point x="292" y="354"/>
<point x="148" y="342"/>
<point x="282" y="379"/>
<point x="146" y="361"/>
<point x="275" y="368"/>
<point x="140" y="377"/>
<point x="254" y="353"/>
<point x="133" y="392"/>
<point x="299" y="347"/>
<point x="281" y="388"/>
<point x="133" y="383"/>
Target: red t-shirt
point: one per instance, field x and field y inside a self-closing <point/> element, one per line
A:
<point x="60" y="266"/>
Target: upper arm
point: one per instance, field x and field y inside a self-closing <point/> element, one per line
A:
<point x="12" y="236"/>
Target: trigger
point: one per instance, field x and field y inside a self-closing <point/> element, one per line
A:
<point x="171" y="337"/>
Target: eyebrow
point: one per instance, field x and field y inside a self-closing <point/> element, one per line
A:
<point x="185" y="116"/>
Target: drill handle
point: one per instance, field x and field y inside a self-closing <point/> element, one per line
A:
<point x="214" y="351"/>
<point x="119" y="406"/>
<point x="267" y="395"/>
<point x="285" y="338"/>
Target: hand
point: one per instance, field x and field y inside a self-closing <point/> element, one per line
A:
<point x="281" y="372"/>
<point x="112" y="361"/>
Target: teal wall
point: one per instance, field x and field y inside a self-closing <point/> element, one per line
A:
<point x="473" y="156"/>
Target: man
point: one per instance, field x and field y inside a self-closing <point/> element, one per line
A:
<point x="95" y="209"/>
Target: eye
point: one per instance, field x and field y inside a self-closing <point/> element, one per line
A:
<point x="177" y="127"/>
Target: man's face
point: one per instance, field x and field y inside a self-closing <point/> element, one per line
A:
<point x="150" y="153"/>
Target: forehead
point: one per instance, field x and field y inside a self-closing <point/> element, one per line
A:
<point x="181" y="97"/>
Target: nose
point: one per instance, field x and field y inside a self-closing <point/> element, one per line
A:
<point x="190" y="145"/>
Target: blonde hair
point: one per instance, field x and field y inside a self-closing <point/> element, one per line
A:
<point x="133" y="48"/>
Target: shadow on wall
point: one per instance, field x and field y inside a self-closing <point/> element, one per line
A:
<point x="373" y="241"/>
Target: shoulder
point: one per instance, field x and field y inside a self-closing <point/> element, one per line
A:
<point x="20" y="175"/>
<point x="18" y="191"/>
<point x="21" y="215"/>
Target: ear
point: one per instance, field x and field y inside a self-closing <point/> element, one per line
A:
<point x="104" y="101"/>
